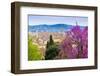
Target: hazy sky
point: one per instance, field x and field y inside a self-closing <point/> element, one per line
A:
<point x="71" y="20"/>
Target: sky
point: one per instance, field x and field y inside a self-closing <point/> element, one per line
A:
<point x="45" y="19"/>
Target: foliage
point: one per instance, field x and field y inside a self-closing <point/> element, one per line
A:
<point x="51" y="52"/>
<point x="50" y="42"/>
<point x="75" y="45"/>
<point x="33" y="51"/>
<point x="51" y="49"/>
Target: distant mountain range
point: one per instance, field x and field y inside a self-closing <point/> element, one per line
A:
<point x="50" y="28"/>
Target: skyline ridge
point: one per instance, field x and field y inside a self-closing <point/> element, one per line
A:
<point x="51" y="28"/>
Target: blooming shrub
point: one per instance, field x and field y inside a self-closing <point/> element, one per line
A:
<point x="75" y="44"/>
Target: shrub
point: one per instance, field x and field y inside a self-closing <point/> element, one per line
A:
<point x="75" y="45"/>
<point x="51" y="52"/>
<point x="33" y="51"/>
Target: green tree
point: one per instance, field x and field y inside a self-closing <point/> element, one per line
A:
<point x="33" y="51"/>
<point x="51" y="49"/>
<point x="52" y="52"/>
<point x="47" y="45"/>
<point x="51" y="42"/>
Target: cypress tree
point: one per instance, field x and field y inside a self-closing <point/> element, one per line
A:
<point x="51" y="49"/>
<point x="51" y="42"/>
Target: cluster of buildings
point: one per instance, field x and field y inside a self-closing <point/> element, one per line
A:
<point x="41" y="38"/>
